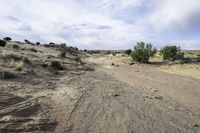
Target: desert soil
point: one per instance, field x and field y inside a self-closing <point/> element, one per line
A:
<point x="118" y="98"/>
<point x="123" y="98"/>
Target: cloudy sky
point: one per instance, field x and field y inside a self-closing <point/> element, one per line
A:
<point x="103" y="24"/>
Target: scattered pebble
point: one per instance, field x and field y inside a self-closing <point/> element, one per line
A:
<point x="170" y="107"/>
<point x="116" y="95"/>
<point x="154" y="90"/>
<point x="195" y="125"/>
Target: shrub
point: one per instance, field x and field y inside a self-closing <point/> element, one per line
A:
<point x="172" y="53"/>
<point x="6" y="75"/>
<point x="142" y="52"/>
<point x="15" y="46"/>
<point x="52" y="43"/>
<point x="56" y="65"/>
<point x="128" y="51"/>
<point x="108" y="52"/>
<point x="63" y="53"/>
<point x="7" y="39"/>
<point x="26" y="60"/>
<point x="10" y="56"/>
<point x="2" y="43"/>
<point x="33" y="50"/>
<point x="19" y="66"/>
<point x="63" y="45"/>
<point x="27" y="41"/>
<point x="37" y="43"/>
<point x="78" y="59"/>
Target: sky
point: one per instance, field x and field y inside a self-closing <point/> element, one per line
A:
<point x="103" y="24"/>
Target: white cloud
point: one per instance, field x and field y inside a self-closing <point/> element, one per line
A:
<point x="187" y="44"/>
<point x="94" y="23"/>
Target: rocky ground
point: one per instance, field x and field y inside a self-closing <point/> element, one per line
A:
<point x="115" y="97"/>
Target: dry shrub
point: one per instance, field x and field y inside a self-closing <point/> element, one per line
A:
<point x="56" y="65"/>
<point x="9" y="55"/>
<point x="2" y="43"/>
<point x="19" y="66"/>
<point x="6" y="75"/>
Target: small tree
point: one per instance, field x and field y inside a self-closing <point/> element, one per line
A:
<point x="142" y="52"/>
<point x="172" y="53"/>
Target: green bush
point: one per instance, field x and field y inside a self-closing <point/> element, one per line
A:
<point x="142" y="52"/>
<point x="172" y="53"/>
<point x="2" y="43"/>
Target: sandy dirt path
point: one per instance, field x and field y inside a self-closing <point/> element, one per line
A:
<point x="103" y="101"/>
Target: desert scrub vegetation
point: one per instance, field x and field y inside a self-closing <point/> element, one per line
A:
<point x="10" y="60"/>
<point x="56" y="65"/>
<point x="6" y="75"/>
<point x="7" y="39"/>
<point x="128" y="51"/>
<point x="33" y="50"/>
<point x="142" y="52"/>
<point x="37" y="43"/>
<point x="27" y="41"/>
<point x="62" y="53"/>
<point x="2" y="43"/>
<point x="15" y="46"/>
<point x="19" y="66"/>
<point x="9" y="55"/>
<point x="78" y="60"/>
<point x="172" y="53"/>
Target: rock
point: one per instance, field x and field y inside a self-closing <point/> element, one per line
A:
<point x="115" y="95"/>
<point x="195" y="125"/>
<point x="132" y="63"/>
<point x="170" y="107"/>
<point x="158" y="97"/>
<point x="154" y="90"/>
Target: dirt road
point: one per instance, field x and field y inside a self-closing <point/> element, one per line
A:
<point x="126" y="99"/>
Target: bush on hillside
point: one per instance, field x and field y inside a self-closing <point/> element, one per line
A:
<point x="7" y="39"/>
<point x="142" y="52"/>
<point x="172" y="53"/>
<point x="62" y="53"/>
<point x="128" y="51"/>
<point x="56" y="65"/>
<point x="27" y="41"/>
<point x="37" y="43"/>
<point x="2" y="43"/>
<point x="15" y="46"/>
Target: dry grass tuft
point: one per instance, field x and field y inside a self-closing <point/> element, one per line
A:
<point x="19" y="66"/>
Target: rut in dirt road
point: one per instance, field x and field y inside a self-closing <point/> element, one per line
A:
<point x="104" y="104"/>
